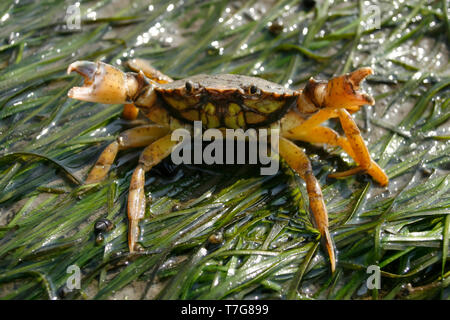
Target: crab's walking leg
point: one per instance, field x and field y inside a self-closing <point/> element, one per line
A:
<point x="133" y="138"/>
<point x="151" y="156"/>
<point x="300" y="163"/>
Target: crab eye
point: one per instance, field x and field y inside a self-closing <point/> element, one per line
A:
<point x="189" y="86"/>
<point x="253" y="89"/>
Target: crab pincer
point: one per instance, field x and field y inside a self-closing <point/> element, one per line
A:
<point x="104" y="83"/>
<point x="340" y="92"/>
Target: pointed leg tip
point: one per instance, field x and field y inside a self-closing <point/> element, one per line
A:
<point x="384" y="183"/>
<point x="332" y="261"/>
<point x="330" y="249"/>
<point x="333" y="267"/>
<point x="131" y="246"/>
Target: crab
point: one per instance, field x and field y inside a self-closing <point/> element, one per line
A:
<point x="227" y="102"/>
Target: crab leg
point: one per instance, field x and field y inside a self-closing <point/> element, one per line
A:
<point x="130" y="111"/>
<point x="151" y="156"/>
<point x="300" y="163"/>
<point x="329" y="136"/>
<point x="302" y="126"/>
<point x="133" y="138"/>
<point x="336" y="98"/>
<point x="361" y="153"/>
<point x="150" y="72"/>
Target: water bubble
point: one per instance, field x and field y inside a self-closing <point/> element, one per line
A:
<point x="92" y="15"/>
<point x="4" y="17"/>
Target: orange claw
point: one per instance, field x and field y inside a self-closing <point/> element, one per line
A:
<point x="338" y="92"/>
<point x="342" y="92"/>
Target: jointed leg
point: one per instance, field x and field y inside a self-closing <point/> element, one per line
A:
<point x="336" y="98"/>
<point x="132" y="138"/>
<point x="130" y="111"/>
<point x="300" y="163"/>
<point x="104" y="83"/>
<point x="302" y="127"/>
<point x="150" y="157"/>
<point x="310" y="131"/>
<point x="150" y="72"/>
<point x="331" y="137"/>
<point x="361" y="153"/>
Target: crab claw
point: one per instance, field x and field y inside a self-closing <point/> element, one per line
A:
<point x="343" y="91"/>
<point x="356" y="77"/>
<point x="340" y="92"/>
<point x="104" y="83"/>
